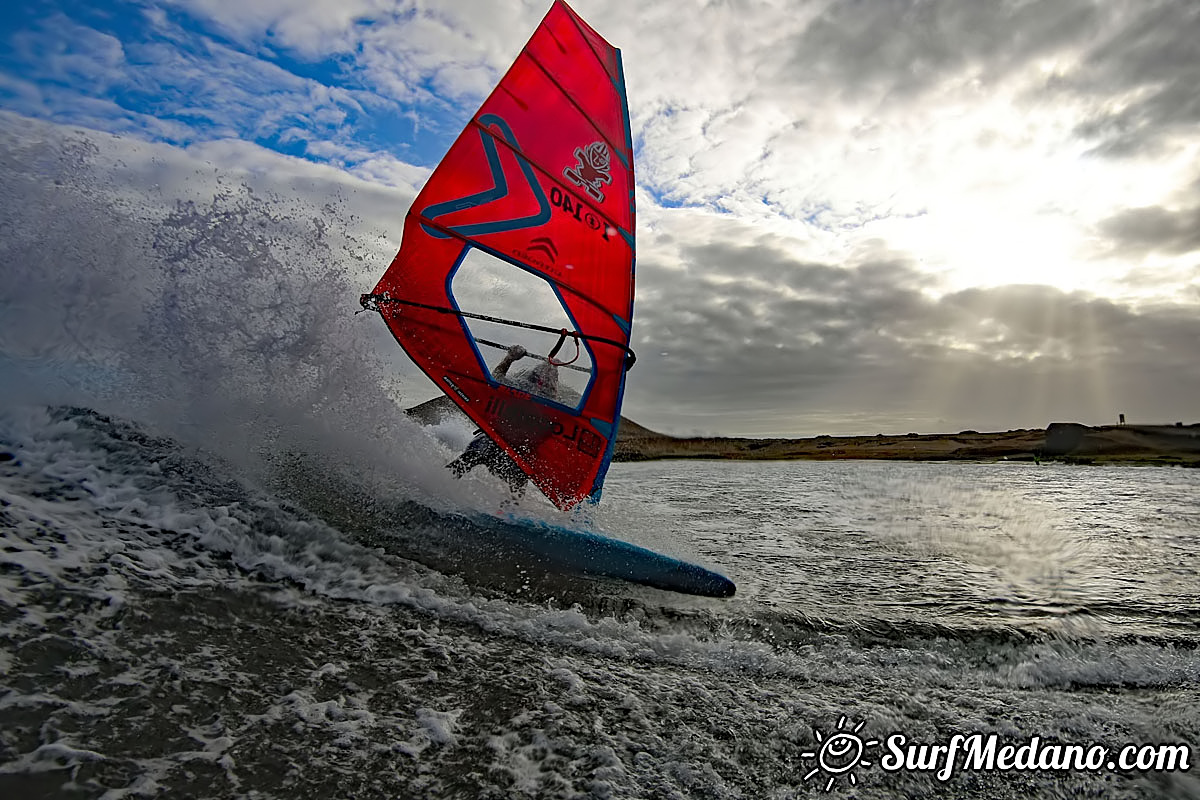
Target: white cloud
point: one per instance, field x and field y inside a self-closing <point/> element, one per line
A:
<point x="313" y="28"/>
<point x="79" y="54"/>
<point x="940" y="128"/>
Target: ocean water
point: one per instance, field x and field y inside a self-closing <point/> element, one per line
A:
<point x="171" y="627"/>
<point x="230" y="567"/>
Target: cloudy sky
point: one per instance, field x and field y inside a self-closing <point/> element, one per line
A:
<point x="854" y="216"/>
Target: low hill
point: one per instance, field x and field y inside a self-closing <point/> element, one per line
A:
<point x="1066" y="441"/>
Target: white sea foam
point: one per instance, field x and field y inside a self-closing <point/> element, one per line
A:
<point x="400" y="661"/>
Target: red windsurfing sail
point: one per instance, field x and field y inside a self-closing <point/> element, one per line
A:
<point x="541" y="178"/>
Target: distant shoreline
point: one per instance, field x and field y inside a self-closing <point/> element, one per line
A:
<point x="1061" y="441"/>
<point x="1067" y="442"/>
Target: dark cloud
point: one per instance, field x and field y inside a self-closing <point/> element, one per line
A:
<point x="903" y="48"/>
<point x="1145" y="56"/>
<point x="1153" y="228"/>
<point x="1153" y="57"/>
<point x="758" y="343"/>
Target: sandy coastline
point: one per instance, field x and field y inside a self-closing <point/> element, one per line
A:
<point x="1149" y="444"/>
<point x="1060" y="441"/>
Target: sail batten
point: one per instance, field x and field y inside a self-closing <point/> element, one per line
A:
<point x="574" y="291"/>
<point x="550" y="77"/>
<point x="549" y="177"/>
<point x="541" y="178"/>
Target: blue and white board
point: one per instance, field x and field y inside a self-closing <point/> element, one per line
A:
<point x="593" y="554"/>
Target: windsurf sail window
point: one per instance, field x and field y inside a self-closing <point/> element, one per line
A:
<point x="541" y="179"/>
<point x="484" y="285"/>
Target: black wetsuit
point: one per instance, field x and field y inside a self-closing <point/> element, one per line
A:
<point x="517" y="430"/>
<point x="482" y="450"/>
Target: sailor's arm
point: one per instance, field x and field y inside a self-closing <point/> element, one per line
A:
<point x="515" y="353"/>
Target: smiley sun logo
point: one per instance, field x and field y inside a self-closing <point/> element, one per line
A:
<point x="839" y="754"/>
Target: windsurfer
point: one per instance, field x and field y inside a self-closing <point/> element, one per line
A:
<point x="542" y="380"/>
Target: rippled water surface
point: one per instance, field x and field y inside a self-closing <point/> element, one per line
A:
<point x="1047" y="548"/>
<point x="171" y="627"/>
